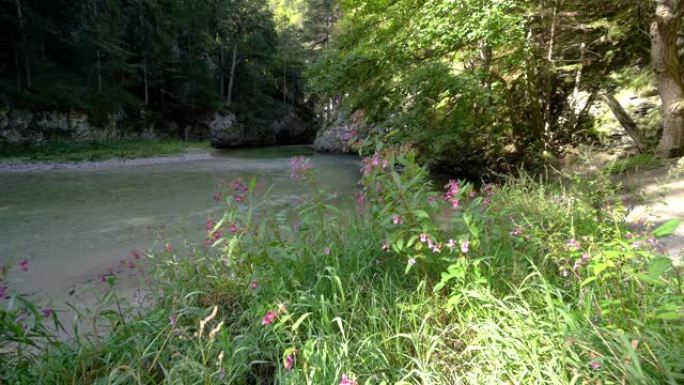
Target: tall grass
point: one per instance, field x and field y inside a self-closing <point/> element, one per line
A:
<point x="547" y="290"/>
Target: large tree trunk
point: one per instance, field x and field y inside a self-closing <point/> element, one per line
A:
<point x="231" y="78"/>
<point x="666" y="50"/>
<point x="625" y="120"/>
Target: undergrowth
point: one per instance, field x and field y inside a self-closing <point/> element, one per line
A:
<point x="528" y="282"/>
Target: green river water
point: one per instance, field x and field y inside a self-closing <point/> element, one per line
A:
<point x="73" y="225"/>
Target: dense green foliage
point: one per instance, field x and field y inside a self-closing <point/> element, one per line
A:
<point x="524" y="283"/>
<point x="174" y="60"/>
<point x="480" y="84"/>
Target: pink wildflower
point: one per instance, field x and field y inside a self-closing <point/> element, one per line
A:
<point x="347" y="381"/>
<point x="209" y="225"/>
<point x="517" y="232"/>
<point x="326" y="251"/>
<point x="24" y="265"/>
<point x="289" y="361"/>
<point x="573" y="244"/>
<point x="465" y="246"/>
<point x="595" y="365"/>
<point x="268" y="318"/>
<point x="137" y="254"/>
<point x="173" y="318"/>
<point x="436" y="248"/>
<point x="472" y="194"/>
<point x="299" y="166"/>
<point x="451" y="194"/>
<point x="451" y="244"/>
<point x="424" y="237"/>
<point x="233" y="228"/>
<point x="168" y="248"/>
<point x="254" y="284"/>
<point x="397" y="220"/>
<point x="47" y="312"/>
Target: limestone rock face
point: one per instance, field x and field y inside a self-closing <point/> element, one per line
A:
<point x="227" y="131"/>
<point x="22" y="126"/>
<point x="341" y="136"/>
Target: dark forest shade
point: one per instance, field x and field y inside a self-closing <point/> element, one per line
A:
<point x="154" y="59"/>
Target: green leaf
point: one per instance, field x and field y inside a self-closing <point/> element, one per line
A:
<point x="667" y="228"/>
<point x="658" y="266"/>
<point x="299" y="321"/>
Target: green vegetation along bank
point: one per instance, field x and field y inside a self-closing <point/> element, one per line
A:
<point x="527" y="282"/>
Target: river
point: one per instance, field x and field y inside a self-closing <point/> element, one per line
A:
<point x="74" y="225"/>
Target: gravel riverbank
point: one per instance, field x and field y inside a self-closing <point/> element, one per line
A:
<point x="23" y="166"/>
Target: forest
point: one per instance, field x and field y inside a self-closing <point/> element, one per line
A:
<point x="489" y="191"/>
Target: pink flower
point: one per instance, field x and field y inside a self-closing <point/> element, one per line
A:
<point x="102" y="278"/>
<point x="347" y="381"/>
<point x="173" y="318"/>
<point x="595" y="365"/>
<point x="24" y="265"/>
<point x="326" y="251"/>
<point x="397" y="220"/>
<point x="47" y="312"/>
<point x="435" y="247"/>
<point x="299" y="167"/>
<point x="289" y="361"/>
<point x="137" y="254"/>
<point x="254" y="284"/>
<point x="573" y="244"/>
<point x="233" y="228"/>
<point x="168" y="248"/>
<point x="517" y="232"/>
<point x="472" y="194"/>
<point x="451" y="194"/>
<point x="424" y="237"/>
<point x="268" y="318"/>
<point x="451" y="244"/>
<point x="209" y="225"/>
<point x="465" y="246"/>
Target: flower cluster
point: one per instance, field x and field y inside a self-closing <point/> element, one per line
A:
<point x="240" y="190"/>
<point x="376" y="162"/>
<point x="299" y="167"/>
<point x="451" y="195"/>
<point x="346" y="380"/>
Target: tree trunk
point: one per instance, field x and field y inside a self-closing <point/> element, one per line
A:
<point x="222" y="76"/>
<point x="97" y="54"/>
<point x="625" y="120"/>
<point x="231" y="78"/>
<point x="18" y="68"/>
<point x="145" y="82"/>
<point x="22" y="33"/>
<point x="666" y="51"/>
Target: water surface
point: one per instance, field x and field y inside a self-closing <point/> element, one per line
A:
<point x="73" y="225"/>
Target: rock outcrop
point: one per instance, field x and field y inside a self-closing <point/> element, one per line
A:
<point x="22" y="126"/>
<point x="226" y="130"/>
<point x="342" y="135"/>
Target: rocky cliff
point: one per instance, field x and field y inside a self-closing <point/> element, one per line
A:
<point x="343" y="134"/>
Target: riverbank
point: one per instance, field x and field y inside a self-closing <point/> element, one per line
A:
<point x="78" y="151"/>
<point x="531" y="281"/>
<point x="100" y="154"/>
